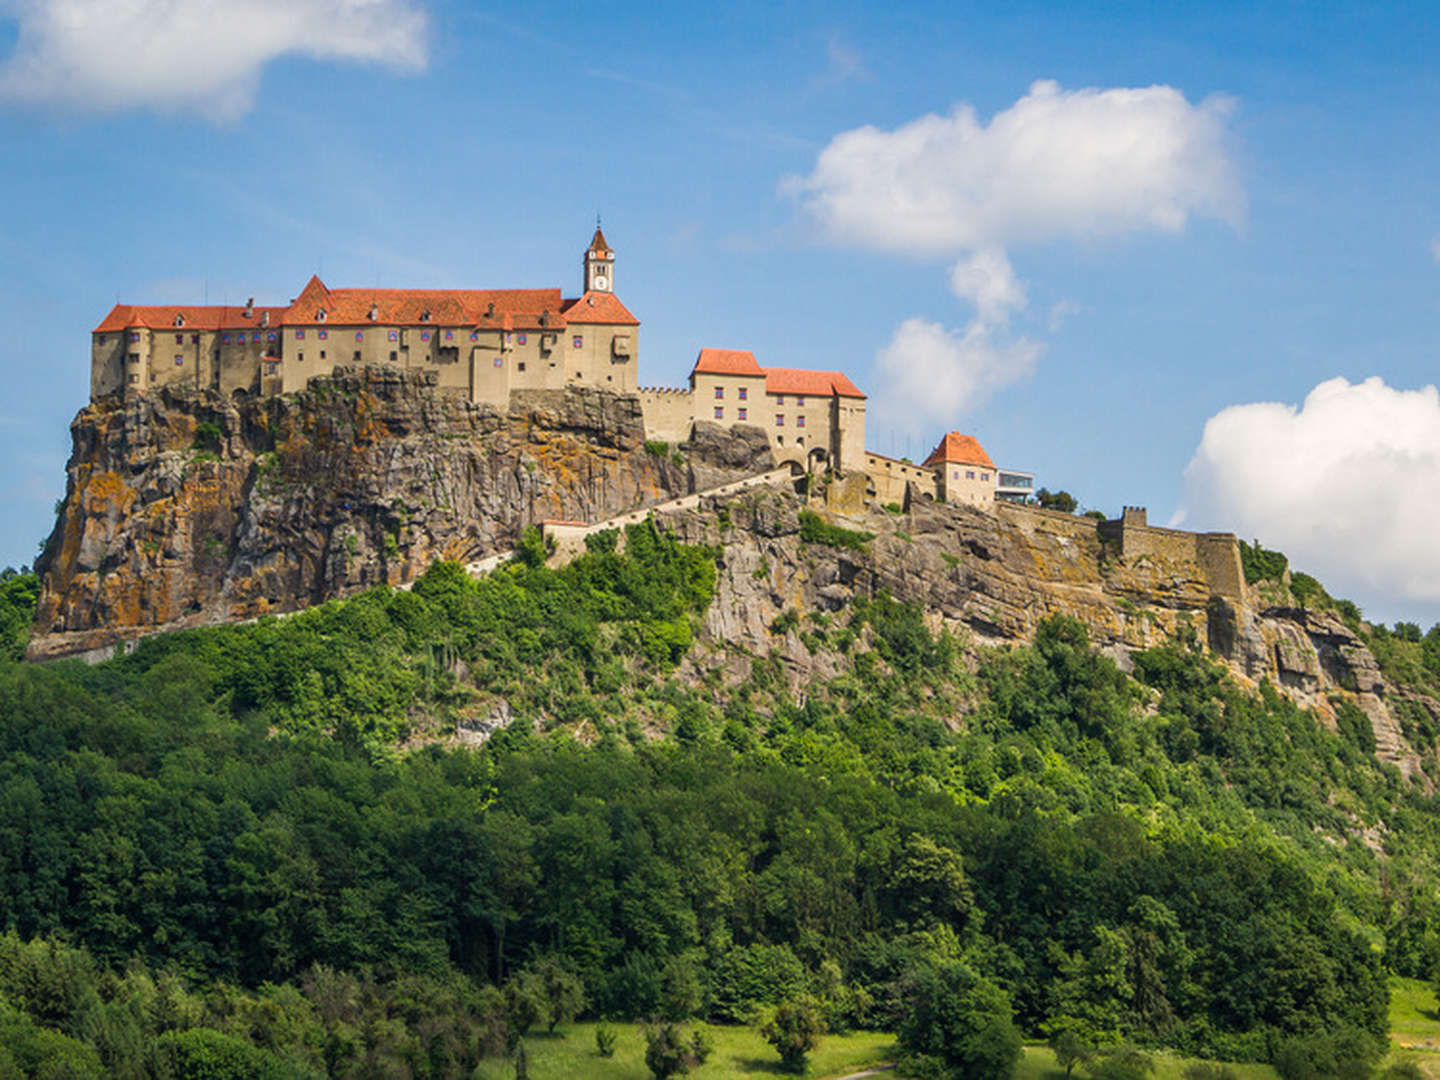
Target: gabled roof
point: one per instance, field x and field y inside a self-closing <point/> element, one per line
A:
<point x="958" y="449"/>
<point x="726" y="362"/>
<point x="598" y="307"/>
<point x="817" y="383"/>
<point x="519" y="309"/>
<point x="197" y="317"/>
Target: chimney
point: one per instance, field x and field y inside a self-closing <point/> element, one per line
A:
<point x="374" y="312"/>
<point x="250" y="308"/>
<point x="490" y="310"/>
<point x="265" y="318"/>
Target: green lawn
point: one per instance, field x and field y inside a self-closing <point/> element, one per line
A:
<point x="739" y="1054"/>
<point x="1039" y="1064"/>
<point x="1413" y="1019"/>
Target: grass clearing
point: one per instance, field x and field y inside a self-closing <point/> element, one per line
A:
<point x="1039" y="1064"/>
<point x="739" y="1054"/>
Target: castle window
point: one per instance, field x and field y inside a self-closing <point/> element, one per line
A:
<point x="179" y="339"/>
<point x="179" y="360"/>
<point x="134" y="378"/>
<point x="425" y="316"/>
<point x="321" y="315"/>
<point x="779" y="399"/>
<point x="984" y="476"/>
<point x="799" y="401"/>
<point x="520" y="339"/>
<point x="499" y="362"/>
<point x="194" y="339"/>
<point x="322" y="354"/>
<point x="741" y="414"/>
<point x="179" y="320"/>
<point x="449" y="335"/>
<point x="474" y="336"/>
<point x="744" y="393"/>
<point x="394" y="356"/>
<point x="357" y="356"/>
<point x="394" y="336"/>
<point x="299" y="335"/>
<point x="719" y="392"/>
<point x="300" y="357"/>
<point x="577" y="341"/>
<point x="521" y="365"/>
<point x="134" y="357"/>
<point x="969" y="474"/>
<point x="779" y="440"/>
<point x="134" y="335"/>
<point x="779" y="419"/>
<point x="99" y="339"/>
<point x="322" y="334"/>
<point x="719" y="412"/>
<point x="224" y="339"/>
<point x="270" y="337"/>
<point x="359" y="336"/>
<point x="799" y="421"/>
<point x="425" y="336"/>
<point x="255" y="337"/>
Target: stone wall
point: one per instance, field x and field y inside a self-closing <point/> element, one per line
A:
<point x="668" y="411"/>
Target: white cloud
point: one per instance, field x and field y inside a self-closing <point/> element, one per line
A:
<point x="1060" y="313"/>
<point x="1346" y="485"/>
<point x="1056" y="163"/>
<point x="201" y="55"/>
<point x="929" y="373"/>
<point x="988" y="281"/>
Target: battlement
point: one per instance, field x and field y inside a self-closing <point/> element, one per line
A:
<point x="1217" y="554"/>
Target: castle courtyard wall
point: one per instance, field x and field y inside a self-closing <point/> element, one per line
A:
<point x="669" y="413"/>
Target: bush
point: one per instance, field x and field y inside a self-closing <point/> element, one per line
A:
<point x="816" y="530"/>
<point x="793" y="1029"/>
<point x="205" y="1054"/>
<point x="1347" y="1054"/>
<point x="1261" y="564"/>
<point x="605" y="1040"/>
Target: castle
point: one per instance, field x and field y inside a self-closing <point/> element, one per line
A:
<point x="489" y="344"/>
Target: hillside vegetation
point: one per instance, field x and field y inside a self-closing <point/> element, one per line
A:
<point x="272" y="844"/>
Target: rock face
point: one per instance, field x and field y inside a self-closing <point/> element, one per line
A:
<point x="183" y="508"/>
<point x="995" y="577"/>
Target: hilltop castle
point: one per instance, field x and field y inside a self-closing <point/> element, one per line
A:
<point x="487" y="344"/>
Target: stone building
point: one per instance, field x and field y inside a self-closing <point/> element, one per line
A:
<point x="481" y="343"/>
<point x="813" y="418"/>
<point x="958" y="470"/>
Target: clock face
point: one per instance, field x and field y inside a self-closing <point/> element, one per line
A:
<point x="601" y="281"/>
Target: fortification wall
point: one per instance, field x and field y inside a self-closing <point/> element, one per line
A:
<point x="1219" y="557"/>
<point x="890" y="476"/>
<point x="668" y="411"/>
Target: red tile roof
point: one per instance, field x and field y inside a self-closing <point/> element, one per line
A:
<point x="816" y="383"/>
<point x="957" y="449"/>
<point x="197" y="317"/>
<point x="726" y="362"/>
<point x="598" y="307"/>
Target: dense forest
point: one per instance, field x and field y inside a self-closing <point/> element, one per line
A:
<point x="271" y="848"/>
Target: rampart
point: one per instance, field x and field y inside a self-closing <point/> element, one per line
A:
<point x="890" y="477"/>
<point x="1217" y="554"/>
<point x="669" y="411"/>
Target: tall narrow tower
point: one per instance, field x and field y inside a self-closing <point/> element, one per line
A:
<point x="599" y="264"/>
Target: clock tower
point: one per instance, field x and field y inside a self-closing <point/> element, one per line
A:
<point x="599" y="264"/>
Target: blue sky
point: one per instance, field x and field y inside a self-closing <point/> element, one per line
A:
<point x="1289" y="240"/>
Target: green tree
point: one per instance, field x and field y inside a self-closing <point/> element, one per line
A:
<point x="961" y="1024"/>
<point x="793" y="1028"/>
<point x="671" y="1051"/>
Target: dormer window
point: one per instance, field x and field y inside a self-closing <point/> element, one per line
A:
<point x="180" y="320"/>
<point x="374" y="313"/>
<point x="425" y="315"/>
<point x="321" y="315"/>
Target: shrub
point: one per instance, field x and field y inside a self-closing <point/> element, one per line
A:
<point x="605" y="1040"/>
<point x="1261" y="564"/>
<point x="793" y="1029"/>
<point x="816" y="530"/>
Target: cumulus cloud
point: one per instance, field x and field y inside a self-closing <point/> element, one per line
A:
<point x="1346" y="485"/>
<point x="201" y="55"/>
<point x="1057" y="162"/>
<point x="931" y="373"/>
<point x="988" y="281"/>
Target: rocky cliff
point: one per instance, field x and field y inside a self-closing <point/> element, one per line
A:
<point x="993" y="577"/>
<point x="183" y="508"/>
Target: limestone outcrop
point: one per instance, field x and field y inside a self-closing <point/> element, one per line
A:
<point x="184" y="508"/>
<point x="995" y="577"/>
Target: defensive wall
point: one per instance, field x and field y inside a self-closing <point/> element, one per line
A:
<point x="668" y="410"/>
<point x="890" y="478"/>
<point x="1217" y="554"/>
